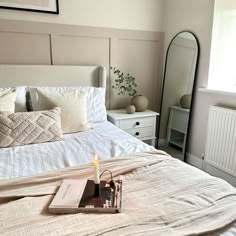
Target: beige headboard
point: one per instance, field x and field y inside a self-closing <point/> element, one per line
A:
<point x="52" y="75"/>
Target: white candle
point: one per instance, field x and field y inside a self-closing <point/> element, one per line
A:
<point x="96" y="169"/>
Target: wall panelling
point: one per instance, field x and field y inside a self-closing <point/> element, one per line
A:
<point x="134" y="51"/>
<point x="24" y="48"/>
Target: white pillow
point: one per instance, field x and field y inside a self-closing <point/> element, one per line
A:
<point x="96" y="109"/>
<point x="7" y="99"/>
<point x="20" y="103"/>
<point x="72" y="105"/>
<point x="20" y="100"/>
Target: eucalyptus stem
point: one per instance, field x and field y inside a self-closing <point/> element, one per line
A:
<point x="124" y="83"/>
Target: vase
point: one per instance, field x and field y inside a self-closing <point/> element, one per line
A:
<point x="185" y="101"/>
<point x="130" y="109"/>
<point x="140" y="102"/>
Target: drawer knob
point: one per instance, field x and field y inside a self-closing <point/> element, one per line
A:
<point x="137" y="133"/>
<point x="137" y="123"/>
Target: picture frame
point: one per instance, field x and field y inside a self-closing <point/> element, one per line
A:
<point x="43" y="6"/>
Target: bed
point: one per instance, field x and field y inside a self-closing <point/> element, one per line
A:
<point x="162" y="195"/>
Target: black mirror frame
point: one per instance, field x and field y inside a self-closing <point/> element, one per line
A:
<point x="193" y="90"/>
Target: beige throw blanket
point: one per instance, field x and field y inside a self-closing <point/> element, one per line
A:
<point x="161" y="196"/>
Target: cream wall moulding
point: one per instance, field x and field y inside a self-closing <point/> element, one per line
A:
<point x="46" y="6"/>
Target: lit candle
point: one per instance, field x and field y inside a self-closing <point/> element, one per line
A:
<point x="96" y="170"/>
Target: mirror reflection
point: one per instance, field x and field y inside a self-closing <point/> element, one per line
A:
<point x="180" y="69"/>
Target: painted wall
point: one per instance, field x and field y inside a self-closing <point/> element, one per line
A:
<point x="131" y="14"/>
<point x="197" y="17"/>
<point x="194" y="16"/>
<point x="61" y="44"/>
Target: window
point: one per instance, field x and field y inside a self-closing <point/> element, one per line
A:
<point x="222" y="72"/>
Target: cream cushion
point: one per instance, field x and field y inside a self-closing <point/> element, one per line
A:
<point x="73" y="108"/>
<point x="7" y="99"/>
<point x="23" y="128"/>
<point x="96" y="109"/>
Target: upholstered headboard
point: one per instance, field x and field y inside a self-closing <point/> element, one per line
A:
<point x="52" y="75"/>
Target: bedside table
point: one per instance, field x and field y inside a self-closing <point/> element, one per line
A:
<point x="141" y="125"/>
<point x="178" y="126"/>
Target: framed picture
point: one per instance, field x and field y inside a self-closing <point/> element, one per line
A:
<point x="45" y="6"/>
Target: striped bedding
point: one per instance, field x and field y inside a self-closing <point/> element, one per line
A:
<point x="76" y="149"/>
<point x="162" y="196"/>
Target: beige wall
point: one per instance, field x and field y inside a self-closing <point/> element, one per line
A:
<point x="178" y="15"/>
<point x="197" y="17"/>
<point x="131" y="14"/>
<point x="86" y="32"/>
<point x="136" y="52"/>
<point x="194" y="16"/>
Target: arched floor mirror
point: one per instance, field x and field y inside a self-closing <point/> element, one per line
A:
<point x="178" y="86"/>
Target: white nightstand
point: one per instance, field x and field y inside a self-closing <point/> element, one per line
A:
<point x="178" y="126"/>
<point x="141" y="125"/>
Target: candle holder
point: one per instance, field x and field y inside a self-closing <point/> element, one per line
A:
<point x="97" y="190"/>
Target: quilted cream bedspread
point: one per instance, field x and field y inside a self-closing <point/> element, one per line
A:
<point x="161" y="196"/>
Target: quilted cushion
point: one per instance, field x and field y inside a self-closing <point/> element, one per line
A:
<point x="30" y="127"/>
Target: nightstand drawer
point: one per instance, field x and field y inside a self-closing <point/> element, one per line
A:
<point x="136" y="123"/>
<point x="141" y="132"/>
<point x="141" y="125"/>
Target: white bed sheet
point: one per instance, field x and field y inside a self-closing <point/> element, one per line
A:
<point x="105" y="139"/>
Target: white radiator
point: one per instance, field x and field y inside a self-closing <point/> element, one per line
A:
<point x="221" y="139"/>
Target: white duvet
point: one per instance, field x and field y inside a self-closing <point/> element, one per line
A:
<point x="104" y="139"/>
<point x="161" y="196"/>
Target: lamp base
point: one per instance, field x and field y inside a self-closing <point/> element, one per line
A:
<point x="97" y="191"/>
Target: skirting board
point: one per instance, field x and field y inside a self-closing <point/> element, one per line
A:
<point x="201" y="164"/>
<point x="194" y="161"/>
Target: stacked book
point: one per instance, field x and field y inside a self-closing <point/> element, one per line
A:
<point x="77" y="195"/>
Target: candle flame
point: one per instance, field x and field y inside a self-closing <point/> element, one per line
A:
<point x="96" y="169"/>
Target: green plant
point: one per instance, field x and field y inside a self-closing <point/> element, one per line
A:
<point x="124" y="83"/>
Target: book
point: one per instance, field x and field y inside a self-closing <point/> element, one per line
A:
<point x="77" y="195"/>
